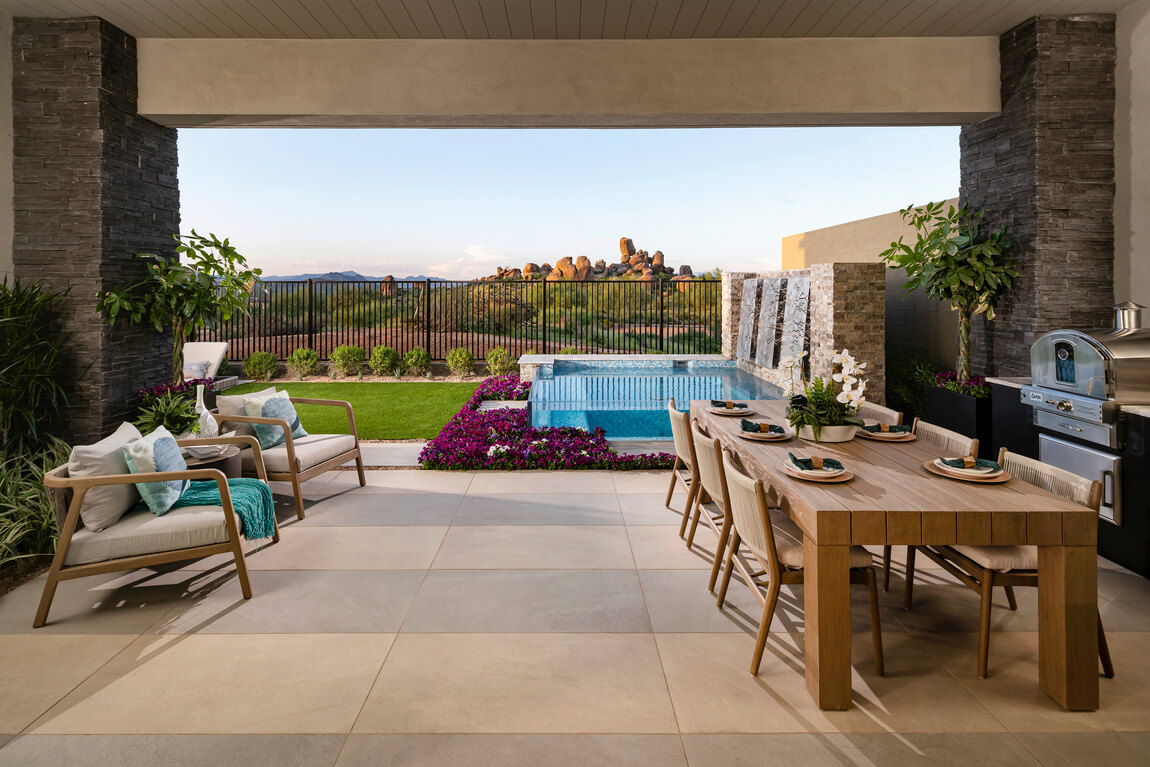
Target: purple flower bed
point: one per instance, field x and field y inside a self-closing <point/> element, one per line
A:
<point x="504" y="439"/>
<point x="975" y="386"/>
<point x="184" y="387"/>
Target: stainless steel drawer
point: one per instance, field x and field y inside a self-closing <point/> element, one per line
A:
<point x="1090" y="463"/>
<point x="1099" y="434"/>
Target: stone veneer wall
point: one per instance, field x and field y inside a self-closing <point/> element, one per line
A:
<point x="1044" y="167"/>
<point x="95" y="184"/>
<point x="847" y="310"/>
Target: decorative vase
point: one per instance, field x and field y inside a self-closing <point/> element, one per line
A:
<point x="842" y="433"/>
<point x="208" y="425"/>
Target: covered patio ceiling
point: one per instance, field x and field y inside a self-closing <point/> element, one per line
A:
<point x="562" y="19"/>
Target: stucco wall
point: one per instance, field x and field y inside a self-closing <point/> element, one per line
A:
<point x="1132" y="156"/>
<point x="5" y="145"/>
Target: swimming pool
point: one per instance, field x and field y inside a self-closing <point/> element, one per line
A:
<point x="628" y="398"/>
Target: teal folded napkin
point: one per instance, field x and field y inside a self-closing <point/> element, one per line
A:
<point x="761" y="428"/>
<point x="878" y="429"/>
<point x="981" y="463"/>
<point x="808" y="464"/>
<point x="727" y="404"/>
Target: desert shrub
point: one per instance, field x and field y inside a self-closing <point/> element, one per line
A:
<point x="460" y="361"/>
<point x="303" y="362"/>
<point x="384" y="361"/>
<point x="31" y="388"/>
<point x="347" y="360"/>
<point x="570" y="350"/>
<point x="261" y="366"/>
<point x="417" y="362"/>
<point x="500" y="362"/>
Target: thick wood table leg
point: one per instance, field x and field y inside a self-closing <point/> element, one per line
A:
<point x="1068" y="625"/>
<point x="827" y="604"/>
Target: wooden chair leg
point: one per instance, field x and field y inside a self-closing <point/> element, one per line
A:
<point x="1010" y="600"/>
<point x="765" y="623"/>
<point x="886" y="568"/>
<point x="46" y="598"/>
<point x="732" y="552"/>
<point x="908" y="596"/>
<point x="698" y="512"/>
<point x="724" y="536"/>
<point x="875" y="620"/>
<point x="692" y="491"/>
<point x="242" y="568"/>
<point x="359" y="468"/>
<point x="295" y="486"/>
<point x="984" y="622"/>
<point x="671" y="489"/>
<point x="1104" y="652"/>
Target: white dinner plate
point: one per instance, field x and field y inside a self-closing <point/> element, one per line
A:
<point x="815" y="472"/>
<point x="978" y="471"/>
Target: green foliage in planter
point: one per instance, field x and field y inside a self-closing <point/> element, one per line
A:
<point x="460" y="361"/>
<point x="348" y="360"/>
<point x="384" y="361"/>
<point x="261" y="366"/>
<point x="956" y="263"/>
<point x="303" y="362"/>
<point x="27" y="520"/>
<point x="417" y="362"/>
<point x="500" y="362"/>
<point x="175" y="411"/>
<point x="820" y="407"/>
<point x="208" y="280"/>
<point x="908" y="377"/>
<point x="31" y="390"/>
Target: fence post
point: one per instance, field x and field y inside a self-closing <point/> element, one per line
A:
<point x="427" y="314"/>
<point x="661" y="323"/>
<point x="544" y="321"/>
<point x="310" y="320"/>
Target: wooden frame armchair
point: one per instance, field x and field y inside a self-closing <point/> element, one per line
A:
<point x="68" y="517"/>
<point x="685" y="470"/>
<point x="292" y="467"/>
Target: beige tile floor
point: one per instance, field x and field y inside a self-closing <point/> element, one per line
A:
<point x="523" y="619"/>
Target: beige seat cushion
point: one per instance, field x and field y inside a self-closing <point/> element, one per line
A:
<point x="233" y="404"/>
<point x="142" y="532"/>
<point x="789" y="543"/>
<point x="310" y="451"/>
<point x="1001" y="558"/>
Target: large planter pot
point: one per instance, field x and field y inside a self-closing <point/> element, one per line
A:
<point x="844" y="433"/>
<point x="964" y="414"/>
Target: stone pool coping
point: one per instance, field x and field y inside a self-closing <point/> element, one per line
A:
<point x="529" y="363"/>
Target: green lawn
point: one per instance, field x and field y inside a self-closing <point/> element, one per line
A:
<point x="382" y="410"/>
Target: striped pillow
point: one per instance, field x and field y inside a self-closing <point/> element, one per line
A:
<point x="157" y="451"/>
<point x="276" y="405"/>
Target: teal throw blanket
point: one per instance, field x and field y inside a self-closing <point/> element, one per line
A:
<point x="251" y="499"/>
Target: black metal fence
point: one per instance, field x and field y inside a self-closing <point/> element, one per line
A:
<point x="523" y="316"/>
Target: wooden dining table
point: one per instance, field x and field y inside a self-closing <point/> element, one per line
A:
<point x="893" y="500"/>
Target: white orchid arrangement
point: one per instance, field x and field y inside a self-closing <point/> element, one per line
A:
<point x="819" y="404"/>
<point x="850" y="376"/>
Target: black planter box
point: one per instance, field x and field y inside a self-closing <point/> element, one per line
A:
<point x="964" y="414"/>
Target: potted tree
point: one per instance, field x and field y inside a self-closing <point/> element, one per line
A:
<point x="206" y="281"/>
<point x="959" y="264"/>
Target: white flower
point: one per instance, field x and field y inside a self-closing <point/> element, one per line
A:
<point x="497" y="450"/>
<point x="844" y="396"/>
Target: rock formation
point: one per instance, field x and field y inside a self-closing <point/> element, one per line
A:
<point x="633" y="263"/>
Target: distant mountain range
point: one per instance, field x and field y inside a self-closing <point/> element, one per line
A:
<point x="341" y="277"/>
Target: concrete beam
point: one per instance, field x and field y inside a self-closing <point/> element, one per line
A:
<point x="568" y="83"/>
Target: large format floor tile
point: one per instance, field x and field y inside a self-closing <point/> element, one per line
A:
<point x="1098" y="749"/>
<point x="627" y="482"/>
<point x="648" y="509"/>
<point x="531" y="509"/>
<point x="366" y="510"/>
<point x="535" y="547"/>
<point x="343" y="548"/>
<point x="542" y="683"/>
<point x="173" y="750"/>
<point x="542" y="482"/>
<point x="661" y="548"/>
<point x="529" y="601"/>
<point x="305" y="683"/>
<point x="38" y="670"/>
<point x="512" y="751"/>
<point x="401" y="481"/>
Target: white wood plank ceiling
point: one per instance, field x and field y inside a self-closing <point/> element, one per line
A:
<point x="563" y="19"/>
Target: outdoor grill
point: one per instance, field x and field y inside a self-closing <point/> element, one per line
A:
<point x="1080" y="379"/>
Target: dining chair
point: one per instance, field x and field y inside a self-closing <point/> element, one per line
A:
<point x="684" y="471"/>
<point x="952" y="443"/>
<point x="869" y="411"/>
<point x="776" y="543"/>
<point x="981" y="568"/>
<point x="711" y="504"/>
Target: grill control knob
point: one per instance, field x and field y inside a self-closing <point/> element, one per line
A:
<point x="1065" y="406"/>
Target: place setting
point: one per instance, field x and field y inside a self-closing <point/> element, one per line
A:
<point x="883" y="432"/>
<point x="757" y="431"/>
<point x="730" y="407"/>
<point x="815" y="469"/>
<point x="968" y="469"/>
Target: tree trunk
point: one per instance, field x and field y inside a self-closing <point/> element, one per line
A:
<point x="964" y="343"/>
<point x="177" y="352"/>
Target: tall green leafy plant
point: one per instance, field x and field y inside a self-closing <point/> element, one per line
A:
<point x="956" y="262"/>
<point x="207" y="280"/>
<point x="32" y="393"/>
<point x="27" y="518"/>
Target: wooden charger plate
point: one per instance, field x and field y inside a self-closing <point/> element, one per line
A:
<point x="995" y="480"/>
<point x="786" y="467"/>
<point x="901" y="437"/>
<point x="723" y="411"/>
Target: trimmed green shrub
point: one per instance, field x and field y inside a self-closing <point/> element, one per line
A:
<point x="384" y="361"/>
<point x="261" y="366"/>
<point x="303" y="362"/>
<point x="570" y="350"/>
<point x="417" y="362"/>
<point x="460" y="361"/>
<point x="500" y="362"/>
<point x="348" y="360"/>
<point x="31" y="390"/>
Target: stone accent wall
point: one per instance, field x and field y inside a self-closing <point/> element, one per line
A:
<point x="1045" y="169"/>
<point x="847" y="310"/>
<point x="95" y="185"/>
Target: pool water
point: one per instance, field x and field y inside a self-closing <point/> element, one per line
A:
<point x="628" y="398"/>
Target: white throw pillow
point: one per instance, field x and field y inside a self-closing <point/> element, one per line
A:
<point x="234" y="405"/>
<point x="104" y="505"/>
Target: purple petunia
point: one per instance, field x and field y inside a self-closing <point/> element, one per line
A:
<point x="184" y="387"/>
<point x="504" y="439"/>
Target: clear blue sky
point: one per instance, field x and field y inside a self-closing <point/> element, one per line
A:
<point x="458" y="203"/>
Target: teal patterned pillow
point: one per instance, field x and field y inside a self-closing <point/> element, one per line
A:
<point x="157" y="451"/>
<point x="276" y="405"/>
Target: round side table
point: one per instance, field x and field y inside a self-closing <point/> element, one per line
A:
<point x="228" y="462"/>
